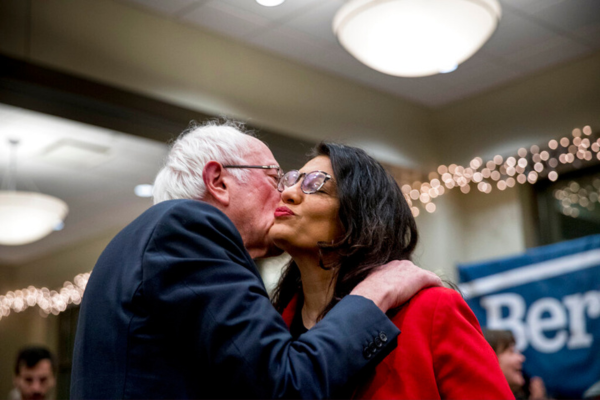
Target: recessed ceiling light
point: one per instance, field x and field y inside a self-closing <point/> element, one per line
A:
<point x="269" y="3"/>
<point x="143" y="190"/>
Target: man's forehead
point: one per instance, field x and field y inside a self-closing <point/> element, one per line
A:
<point x="42" y="366"/>
<point x="259" y="154"/>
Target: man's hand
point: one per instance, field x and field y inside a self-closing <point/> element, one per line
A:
<point x="395" y="283"/>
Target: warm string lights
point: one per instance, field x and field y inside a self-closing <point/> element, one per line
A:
<point x="574" y="197"/>
<point x="527" y="166"/>
<point x="49" y="301"/>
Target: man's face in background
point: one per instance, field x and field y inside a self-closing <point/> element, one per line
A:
<point x="35" y="382"/>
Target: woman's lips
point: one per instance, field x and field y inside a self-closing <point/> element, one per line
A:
<point x="283" y="211"/>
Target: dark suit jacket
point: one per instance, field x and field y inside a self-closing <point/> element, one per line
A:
<point x="175" y="308"/>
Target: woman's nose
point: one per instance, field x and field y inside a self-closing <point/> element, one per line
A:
<point x="292" y="194"/>
<point x="520" y="356"/>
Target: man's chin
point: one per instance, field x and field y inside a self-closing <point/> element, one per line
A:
<point x="36" y="396"/>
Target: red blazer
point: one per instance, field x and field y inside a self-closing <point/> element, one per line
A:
<point x="441" y="353"/>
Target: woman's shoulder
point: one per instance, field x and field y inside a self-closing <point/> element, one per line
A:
<point x="433" y="311"/>
<point x="436" y="293"/>
<point x="426" y="301"/>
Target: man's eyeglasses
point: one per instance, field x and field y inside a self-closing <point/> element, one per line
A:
<point x="279" y="170"/>
<point x="312" y="183"/>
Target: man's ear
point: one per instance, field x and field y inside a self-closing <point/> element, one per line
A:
<point x="216" y="183"/>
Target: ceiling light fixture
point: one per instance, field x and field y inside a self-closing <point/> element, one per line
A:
<point x="270" y="3"/>
<point x="143" y="190"/>
<point x="412" y="38"/>
<point x="26" y="216"/>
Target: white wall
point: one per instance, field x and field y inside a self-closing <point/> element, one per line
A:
<point x="54" y="269"/>
<point x="470" y="228"/>
<point x="438" y="248"/>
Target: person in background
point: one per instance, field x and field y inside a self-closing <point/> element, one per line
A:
<point x="511" y="362"/>
<point x="342" y="216"/>
<point x="35" y="371"/>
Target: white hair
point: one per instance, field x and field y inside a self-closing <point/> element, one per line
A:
<point x="181" y="176"/>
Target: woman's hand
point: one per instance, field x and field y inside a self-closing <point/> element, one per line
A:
<point x="395" y="283"/>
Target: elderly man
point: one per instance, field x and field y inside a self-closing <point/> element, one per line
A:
<point x="175" y="307"/>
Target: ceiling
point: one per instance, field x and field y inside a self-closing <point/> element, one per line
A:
<point x="533" y="35"/>
<point x="97" y="184"/>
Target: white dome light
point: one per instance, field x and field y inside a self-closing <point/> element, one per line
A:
<point x="414" y="38"/>
<point x="269" y="3"/>
<point x="28" y="216"/>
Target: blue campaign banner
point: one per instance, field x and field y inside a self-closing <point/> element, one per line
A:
<point x="549" y="298"/>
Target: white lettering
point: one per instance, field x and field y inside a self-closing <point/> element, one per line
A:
<point x="514" y="319"/>
<point x="537" y="324"/>
<point x="577" y="305"/>
<point x="534" y="326"/>
<point x="592" y="298"/>
<point x="579" y="336"/>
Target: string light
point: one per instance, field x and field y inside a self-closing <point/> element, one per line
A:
<point x="528" y="165"/>
<point x="49" y="301"/>
<point x="529" y="168"/>
<point x="574" y="199"/>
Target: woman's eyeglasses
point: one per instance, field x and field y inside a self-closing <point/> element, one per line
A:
<point x="313" y="181"/>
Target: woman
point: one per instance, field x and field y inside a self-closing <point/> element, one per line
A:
<point x="340" y="217"/>
<point x="511" y="363"/>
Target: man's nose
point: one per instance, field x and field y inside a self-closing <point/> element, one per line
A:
<point x="36" y="386"/>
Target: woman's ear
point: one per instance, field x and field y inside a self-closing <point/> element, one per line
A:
<point x="216" y="183"/>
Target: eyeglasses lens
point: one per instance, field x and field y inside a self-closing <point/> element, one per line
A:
<point x="313" y="182"/>
<point x="289" y="179"/>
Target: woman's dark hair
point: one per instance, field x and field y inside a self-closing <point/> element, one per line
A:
<point x="499" y="340"/>
<point x="377" y="223"/>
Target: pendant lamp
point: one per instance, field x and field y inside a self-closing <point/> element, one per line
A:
<point x="26" y="217"/>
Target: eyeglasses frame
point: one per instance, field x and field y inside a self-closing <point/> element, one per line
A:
<point x="280" y="172"/>
<point x="300" y="176"/>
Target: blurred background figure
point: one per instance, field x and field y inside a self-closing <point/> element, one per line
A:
<point x="35" y="371"/>
<point x="511" y="363"/>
